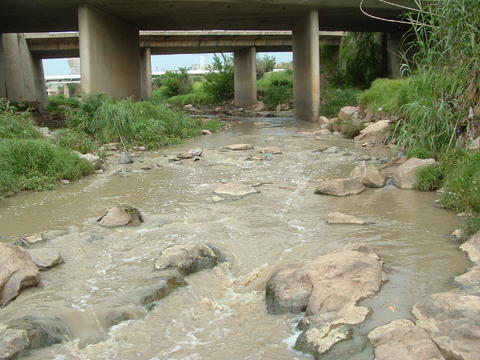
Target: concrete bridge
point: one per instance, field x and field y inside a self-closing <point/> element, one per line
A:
<point x="113" y="61"/>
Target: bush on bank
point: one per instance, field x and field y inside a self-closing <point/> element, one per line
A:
<point x="276" y="88"/>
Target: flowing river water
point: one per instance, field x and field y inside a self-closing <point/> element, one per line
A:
<point x="221" y="313"/>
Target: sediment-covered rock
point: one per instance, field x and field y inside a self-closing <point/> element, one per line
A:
<point x="349" y="113"/>
<point x="12" y="342"/>
<point x="402" y="340"/>
<point x="405" y="176"/>
<point x="238" y="147"/>
<point x="272" y="150"/>
<point x="148" y="295"/>
<point x="121" y="215"/>
<point x="369" y="175"/>
<point x="17" y="272"/>
<point x="235" y="189"/>
<point x="452" y="319"/>
<point x="327" y="289"/>
<point x="340" y="218"/>
<point x="189" y="258"/>
<point x="45" y="258"/>
<point x="373" y="134"/>
<point x="340" y="187"/>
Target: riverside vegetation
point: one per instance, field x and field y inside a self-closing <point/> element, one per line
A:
<point x="30" y="160"/>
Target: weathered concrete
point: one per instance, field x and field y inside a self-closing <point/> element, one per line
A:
<point x="245" y="77"/>
<point x="23" y="73"/>
<point x="109" y="54"/>
<point x="306" y="67"/>
<point x="394" y="58"/>
<point x="3" y="89"/>
<point x="146" y="73"/>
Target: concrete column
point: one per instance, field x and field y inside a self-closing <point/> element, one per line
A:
<point x="306" y="67"/>
<point x="109" y="54"/>
<point x="146" y="72"/>
<point x="3" y="88"/>
<point x="394" y="58"/>
<point x="245" y="77"/>
<point x="24" y="79"/>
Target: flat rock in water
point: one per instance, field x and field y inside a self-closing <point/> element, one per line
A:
<point x="189" y="258"/>
<point x="340" y="218"/>
<point x="369" y="175"/>
<point x="327" y="289"/>
<point x="125" y="158"/>
<point x="405" y="176"/>
<point x="272" y="150"/>
<point x="45" y="258"/>
<point x="12" y="342"/>
<point x="452" y="319"/>
<point x="121" y="215"/>
<point x="402" y="340"/>
<point x="238" y="147"/>
<point x="235" y="189"/>
<point x="16" y="273"/>
<point x="340" y="187"/>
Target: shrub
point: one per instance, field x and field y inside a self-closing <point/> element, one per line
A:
<point x="265" y="65"/>
<point x="219" y="82"/>
<point x="175" y="83"/>
<point x="37" y="165"/>
<point x="429" y="178"/>
<point x="276" y="88"/>
<point x="334" y="100"/>
<point x="74" y="140"/>
<point x="419" y="152"/>
<point x="16" y="125"/>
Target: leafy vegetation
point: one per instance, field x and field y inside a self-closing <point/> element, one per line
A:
<point x="276" y="88"/>
<point x="265" y="65"/>
<point x="429" y="178"/>
<point x="335" y="99"/>
<point x="219" y="83"/>
<point x="389" y="95"/>
<point x="74" y="140"/>
<point x="61" y="104"/>
<point x="174" y="83"/>
<point x="15" y="125"/>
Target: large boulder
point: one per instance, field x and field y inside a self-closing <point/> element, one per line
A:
<point x="405" y="176"/>
<point x="340" y="187"/>
<point x="121" y="215"/>
<point x="327" y="289"/>
<point x="16" y="272"/>
<point x="402" y="340"/>
<point x="189" y="258"/>
<point x="45" y="258"/>
<point x="369" y="175"/>
<point x="349" y="113"/>
<point x="452" y="319"/>
<point x="373" y="134"/>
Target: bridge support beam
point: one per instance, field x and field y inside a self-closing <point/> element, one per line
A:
<point x="245" y="77"/>
<point x="306" y="67"/>
<point x="146" y="72"/>
<point x="394" y="58"/>
<point x="21" y="74"/>
<point x="109" y="54"/>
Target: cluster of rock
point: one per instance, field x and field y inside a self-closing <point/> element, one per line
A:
<point x="403" y="172"/>
<point x="327" y="289"/>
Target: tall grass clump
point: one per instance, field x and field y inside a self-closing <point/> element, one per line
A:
<point x="389" y="95"/>
<point x="174" y="83"/>
<point x="74" y="140"/>
<point x="14" y="124"/>
<point x="335" y="99"/>
<point x="446" y="76"/>
<point x="60" y="104"/>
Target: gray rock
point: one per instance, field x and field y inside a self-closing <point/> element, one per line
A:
<point x="390" y="167"/>
<point x="121" y="215"/>
<point x="373" y="134"/>
<point x="189" y="258"/>
<point x="340" y="187"/>
<point x="402" y="340"/>
<point x="45" y="258"/>
<point x="239" y="147"/>
<point x="16" y="273"/>
<point x="405" y="176"/>
<point x="12" y="342"/>
<point x="369" y="175"/>
<point x="343" y="219"/>
<point x="348" y="113"/>
<point x="125" y="158"/>
<point x="472" y="247"/>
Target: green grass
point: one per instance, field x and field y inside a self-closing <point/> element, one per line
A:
<point x="74" y="140"/>
<point x="37" y="165"/>
<point x="60" y="104"/>
<point x="15" y="125"/>
<point x="197" y="97"/>
<point x="276" y="88"/>
<point x="335" y="99"/>
<point x="385" y="94"/>
<point x="429" y="178"/>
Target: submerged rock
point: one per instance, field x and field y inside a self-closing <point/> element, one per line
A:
<point x="405" y="176"/>
<point x="340" y="187"/>
<point x="121" y="215"/>
<point x="45" y="258"/>
<point x="340" y="218"/>
<point x="125" y="158"/>
<point x="189" y="258"/>
<point x="373" y="134"/>
<point x="148" y="295"/>
<point x="272" y="150"/>
<point x="190" y="154"/>
<point x="235" y="189"/>
<point x="327" y="289"/>
<point x="369" y="175"/>
<point x="17" y="272"/>
<point x="238" y="147"/>
<point x="12" y="342"/>
<point x="402" y="340"/>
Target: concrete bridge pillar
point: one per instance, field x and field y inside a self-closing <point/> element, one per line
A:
<point x="394" y="58"/>
<point x="146" y="72"/>
<point x="21" y="74"/>
<point x="306" y="67"/>
<point x="109" y="54"/>
<point x="245" y="77"/>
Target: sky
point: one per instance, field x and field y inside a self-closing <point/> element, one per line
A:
<point x="159" y="62"/>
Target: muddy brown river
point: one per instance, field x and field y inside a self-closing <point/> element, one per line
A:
<point x="221" y="313"/>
